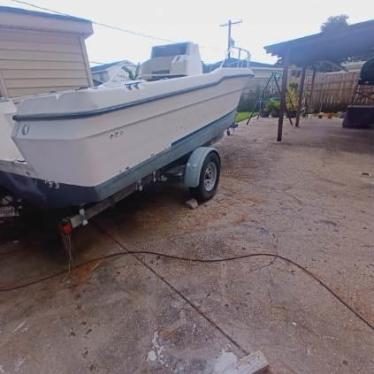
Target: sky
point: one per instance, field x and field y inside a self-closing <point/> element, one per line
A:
<point x="264" y="23"/>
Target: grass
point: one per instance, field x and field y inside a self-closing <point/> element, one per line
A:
<point x="242" y="116"/>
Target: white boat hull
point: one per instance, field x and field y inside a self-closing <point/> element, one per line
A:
<point x="100" y="148"/>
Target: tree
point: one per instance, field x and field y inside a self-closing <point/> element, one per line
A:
<point x="335" y="23"/>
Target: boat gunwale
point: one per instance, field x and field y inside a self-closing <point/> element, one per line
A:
<point x="114" y="108"/>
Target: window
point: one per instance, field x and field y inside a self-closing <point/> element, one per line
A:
<point x="169" y="50"/>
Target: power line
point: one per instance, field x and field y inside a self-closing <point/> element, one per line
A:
<point x="117" y="28"/>
<point x="108" y="26"/>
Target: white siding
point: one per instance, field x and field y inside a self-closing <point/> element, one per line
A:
<point x="41" y="61"/>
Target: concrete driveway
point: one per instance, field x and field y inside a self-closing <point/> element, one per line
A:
<point x="309" y="198"/>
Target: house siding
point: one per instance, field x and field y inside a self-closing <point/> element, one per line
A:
<point x="40" y="52"/>
<point x="33" y="62"/>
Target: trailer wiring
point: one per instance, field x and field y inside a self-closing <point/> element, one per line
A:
<point x="127" y="252"/>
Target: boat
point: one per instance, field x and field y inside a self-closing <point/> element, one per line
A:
<point x="76" y="147"/>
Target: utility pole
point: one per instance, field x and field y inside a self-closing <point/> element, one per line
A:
<point x="228" y="25"/>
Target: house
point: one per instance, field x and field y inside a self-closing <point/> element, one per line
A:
<point x="261" y="71"/>
<point x="253" y="89"/>
<point x="114" y="72"/>
<point x="42" y="52"/>
<point x="262" y="74"/>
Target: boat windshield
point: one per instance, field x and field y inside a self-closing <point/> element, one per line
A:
<point x="169" y="50"/>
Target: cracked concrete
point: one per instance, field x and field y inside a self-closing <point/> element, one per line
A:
<point x="309" y="198"/>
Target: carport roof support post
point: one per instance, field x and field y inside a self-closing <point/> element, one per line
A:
<point x="283" y="109"/>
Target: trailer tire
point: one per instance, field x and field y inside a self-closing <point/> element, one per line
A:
<point x="209" y="178"/>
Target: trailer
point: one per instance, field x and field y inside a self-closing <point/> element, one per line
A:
<point x="199" y="172"/>
<point x="75" y="154"/>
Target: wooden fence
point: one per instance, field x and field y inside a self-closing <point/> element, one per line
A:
<point x="334" y="91"/>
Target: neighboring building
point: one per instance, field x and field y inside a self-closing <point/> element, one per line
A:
<point x="252" y="91"/>
<point x="113" y="72"/>
<point x="262" y="74"/>
<point x="42" y="52"/>
<point x="261" y="71"/>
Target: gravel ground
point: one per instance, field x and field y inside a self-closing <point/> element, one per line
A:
<point x="309" y="198"/>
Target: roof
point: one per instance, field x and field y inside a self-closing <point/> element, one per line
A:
<point x="355" y="40"/>
<point x="101" y="67"/>
<point x="41" y="14"/>
<point x="255" y="64"/>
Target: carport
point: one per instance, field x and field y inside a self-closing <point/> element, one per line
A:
<point x="353" y="42"/>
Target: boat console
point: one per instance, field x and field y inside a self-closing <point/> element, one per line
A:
<point x="172" y="61"/>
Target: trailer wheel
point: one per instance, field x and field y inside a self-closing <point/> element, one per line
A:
<point x="209" y="178"/>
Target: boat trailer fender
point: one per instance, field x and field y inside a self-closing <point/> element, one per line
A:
<point x="194" y="165"/>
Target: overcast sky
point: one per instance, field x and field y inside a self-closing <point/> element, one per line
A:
<point x="264" y="22"/>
